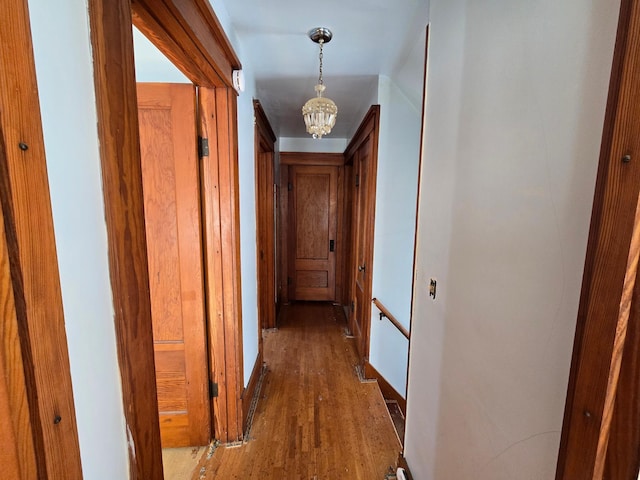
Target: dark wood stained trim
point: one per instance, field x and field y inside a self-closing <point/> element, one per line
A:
<point x="341" y="246"/>
<point x="394" y="321"/>
<point x="284" y="233"/>
<point x="388" y="392"/>
<point x="39" y="381"/>
<point x="371" y="121"/>
<point x="264" y="153"/>
<point x="250" y="391"/>
<point x="595" y="350"/>
<point x="190" y="35"/>
<point x="116" y="100"/>
<point x="345" y="225"/>
<point x="306" y="158"/>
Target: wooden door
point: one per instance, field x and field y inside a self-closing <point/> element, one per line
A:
<point x="362" y="153"/>
<point x="313" y="224"/>
<point x="167" y="116"/>
<point x="362" y="271"/>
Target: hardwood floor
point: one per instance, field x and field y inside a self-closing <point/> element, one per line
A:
<point x="314" y="420"/>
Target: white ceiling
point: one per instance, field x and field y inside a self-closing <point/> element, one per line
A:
<point x="370" y="38"/>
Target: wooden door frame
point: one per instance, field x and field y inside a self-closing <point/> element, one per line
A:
<point x="370" y="125"/>
<point x="265" y="141"/>
<point x="601" y="326"/>
<point x="288" y="159"/>
<point x="33" y="341"/>
<point x="188" y="32"/>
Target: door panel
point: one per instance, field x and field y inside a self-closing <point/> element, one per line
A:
<point x="314" y="214"/>
<point x="167" y="119"/>
<point x="362" y="271"/>
<point x="265" y="213"/>
<point x="362" y="153"/>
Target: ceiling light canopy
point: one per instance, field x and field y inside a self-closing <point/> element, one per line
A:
<point x="320" y="112"/>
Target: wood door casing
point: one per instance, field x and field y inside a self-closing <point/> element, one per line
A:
<point x="265" y="220"/>
<point x="313" y="223"/>
<point x="114" y="77"/>
<point x="217" y="112"/>
<point x="362" y="155"/>
<point x="174" y="248"/>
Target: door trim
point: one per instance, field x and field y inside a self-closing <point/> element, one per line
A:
<point x="596" y="353"/>
<point x="264" y="141"/>
<point x="114" y="77"/>
<point x="40" y="396"/>
<point x="370" y="126"/>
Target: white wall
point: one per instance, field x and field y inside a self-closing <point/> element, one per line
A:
<point x="396" y="193"/>
<point x="515" y="106"/>
<point x="151" y="64"/>
<point x="65" y="84"/>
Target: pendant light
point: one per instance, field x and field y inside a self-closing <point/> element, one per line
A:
<point x="320" y="112"/>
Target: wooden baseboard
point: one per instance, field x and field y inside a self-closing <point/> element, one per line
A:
<point x="388" y="392"/>
<point x="402" y="462"/>
<point x="249" y="392"/>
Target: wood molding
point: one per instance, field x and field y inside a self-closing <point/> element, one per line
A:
<point x="371" y="121"/>
<point x="191" y="36"/>
<point x="264" y="157"/>
<point x="596" y="352"/>
<point x="285" y="241"/>
<point x="388" y="392"/>
<point x="218" y="120"/>
<point x="116" y="101"/>
<point x="15" y="426"/>
<point x="250" y="391"/>
<point x="342" y="246"/>
<point x="306" y="158"/>
<point x="40" y="396"/>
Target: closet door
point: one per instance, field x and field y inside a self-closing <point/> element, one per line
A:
<point x="313" y="222"/>
<point x="167" y="116"/>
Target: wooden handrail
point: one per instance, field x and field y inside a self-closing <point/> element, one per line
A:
<point x="385" y="313"/>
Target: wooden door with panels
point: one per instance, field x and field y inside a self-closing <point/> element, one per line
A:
<point x="362" y="154"/>
<point x="313" y="206"/>
<point x="171" y="187"/>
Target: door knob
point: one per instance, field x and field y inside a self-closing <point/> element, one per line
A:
<point x="361" y="268"/>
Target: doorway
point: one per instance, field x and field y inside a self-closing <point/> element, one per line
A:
<point x="205" y="55"/>
<point x="171" y="187"/>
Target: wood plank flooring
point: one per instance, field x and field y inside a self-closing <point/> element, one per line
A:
<point x="315" y="419"/>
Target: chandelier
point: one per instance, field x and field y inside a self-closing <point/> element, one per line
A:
<point x="320" y="112"/>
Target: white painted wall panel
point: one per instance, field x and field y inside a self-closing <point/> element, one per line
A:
<point x="396" y="192"/>
<point x="515" y="107"/>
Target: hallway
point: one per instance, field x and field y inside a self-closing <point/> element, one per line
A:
<point x="314" y="419"/>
